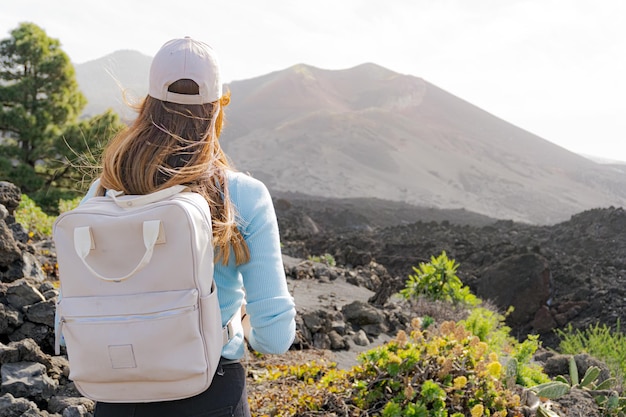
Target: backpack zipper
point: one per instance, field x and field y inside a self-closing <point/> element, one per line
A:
<point x="111" y="319"/>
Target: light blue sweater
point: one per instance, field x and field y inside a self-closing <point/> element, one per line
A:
<point x="261" y="282"/>
<point x="269" y="304"/>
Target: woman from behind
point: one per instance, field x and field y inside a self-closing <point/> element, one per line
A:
<point x="175" y="140"/>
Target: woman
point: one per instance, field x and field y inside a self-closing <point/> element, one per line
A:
<point x="174" y="140"/>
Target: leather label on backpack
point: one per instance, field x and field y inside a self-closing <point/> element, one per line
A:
<point x="122" y="356"/>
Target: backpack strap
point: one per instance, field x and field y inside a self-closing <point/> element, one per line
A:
<point x="142" y="200"/>
<point x="83" y="243"/>
<point x="230" y="329"/>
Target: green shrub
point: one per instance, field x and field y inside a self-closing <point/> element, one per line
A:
<point x="326" y="258"/>
<point x="489" y="326"/>
<point x="598" y="341"/>
<point x="33" y="219"/>
<point x="528" y="373"/>
<point x="427" y="321"/>
<point x="437" y="280"/>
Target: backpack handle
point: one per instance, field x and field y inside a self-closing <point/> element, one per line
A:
<point x="142" y="200"/>
<point x="83" y="242"/>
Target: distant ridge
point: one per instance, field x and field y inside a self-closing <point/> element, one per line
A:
<point x="370" y="132"/>
<point x="605" y="161"/>
<point x="103" y="81"/>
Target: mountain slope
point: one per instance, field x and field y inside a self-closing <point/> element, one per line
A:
<point x="370" y="132"/>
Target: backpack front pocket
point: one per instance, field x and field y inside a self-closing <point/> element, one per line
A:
<point x="149" y="329"/>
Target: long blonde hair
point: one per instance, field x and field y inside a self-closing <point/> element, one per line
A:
<point x="170" y="144"/>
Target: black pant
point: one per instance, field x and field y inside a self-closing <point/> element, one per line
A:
<point x="226" y="396"/>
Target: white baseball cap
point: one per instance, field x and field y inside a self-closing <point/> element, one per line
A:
<point x="185" y="58"/>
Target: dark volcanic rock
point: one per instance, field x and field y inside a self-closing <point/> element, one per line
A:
<point x="10" y="196"/>
<point x="365" y="317"/>
<point x="9" y="250"/>
<point x="27" y="379"/>
<point x="573" y="272"/>
<point x="519" y="281"/>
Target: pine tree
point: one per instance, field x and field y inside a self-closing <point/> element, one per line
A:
<point x="41" y="136"/>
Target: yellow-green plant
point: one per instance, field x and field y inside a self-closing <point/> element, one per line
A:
<point x="489" y="326"/>
<point x="448" y="372"/>
<point x="437" y="280"/>
<point x="33" y="219"/>
<point x="297" y="389"/>
<point x="326" y="258"/>
<point x="528" y="372"/>
<point x="424" y="374"/>
<point x="67" y="205"/>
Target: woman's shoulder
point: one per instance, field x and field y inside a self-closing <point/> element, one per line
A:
<point x="250" y="196"/>
<point x="242" y="186"/>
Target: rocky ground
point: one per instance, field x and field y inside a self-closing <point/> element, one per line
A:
<point x="554" y="276"/>
<point x="572" y="273"/>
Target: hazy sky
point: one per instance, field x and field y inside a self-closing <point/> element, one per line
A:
<point x="553" y="67"/>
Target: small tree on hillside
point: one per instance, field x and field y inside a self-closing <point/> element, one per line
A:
<point x="38" y="92"/>
<point x="40" y="102"/>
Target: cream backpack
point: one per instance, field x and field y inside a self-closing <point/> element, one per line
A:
<point x="138" y="307"/>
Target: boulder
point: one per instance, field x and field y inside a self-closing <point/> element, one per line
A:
<point x="12" y="407"/>
<point x="543" y="321"/>
<point x="41" y="312"/>
<point x="21" y="294"/>
<point x="16" y="254"/>
<point x="578" y="402"/>
<point x="10" y="319"/>
<point x="321" y="341"/>
<point x="29" y="351"/>
<point x="521" y="281"/>
<point x="360" y="338"/>
<point x="317" y="321"/>
<point x="76" y="411"/>
<point x="58" y="404"/>
<point x="361" y="314"/>
<point x="8" y="353"/>
<point x="337" y="342"/>
<point x="40" y="333"/>
<point x="365" y="317"/>
<point x="28" y="380"/>
<point x="10" y="196"/>
<point x="19" y="233"/>
<point x="9" y="249"/>
<point x="31" y="267"/>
